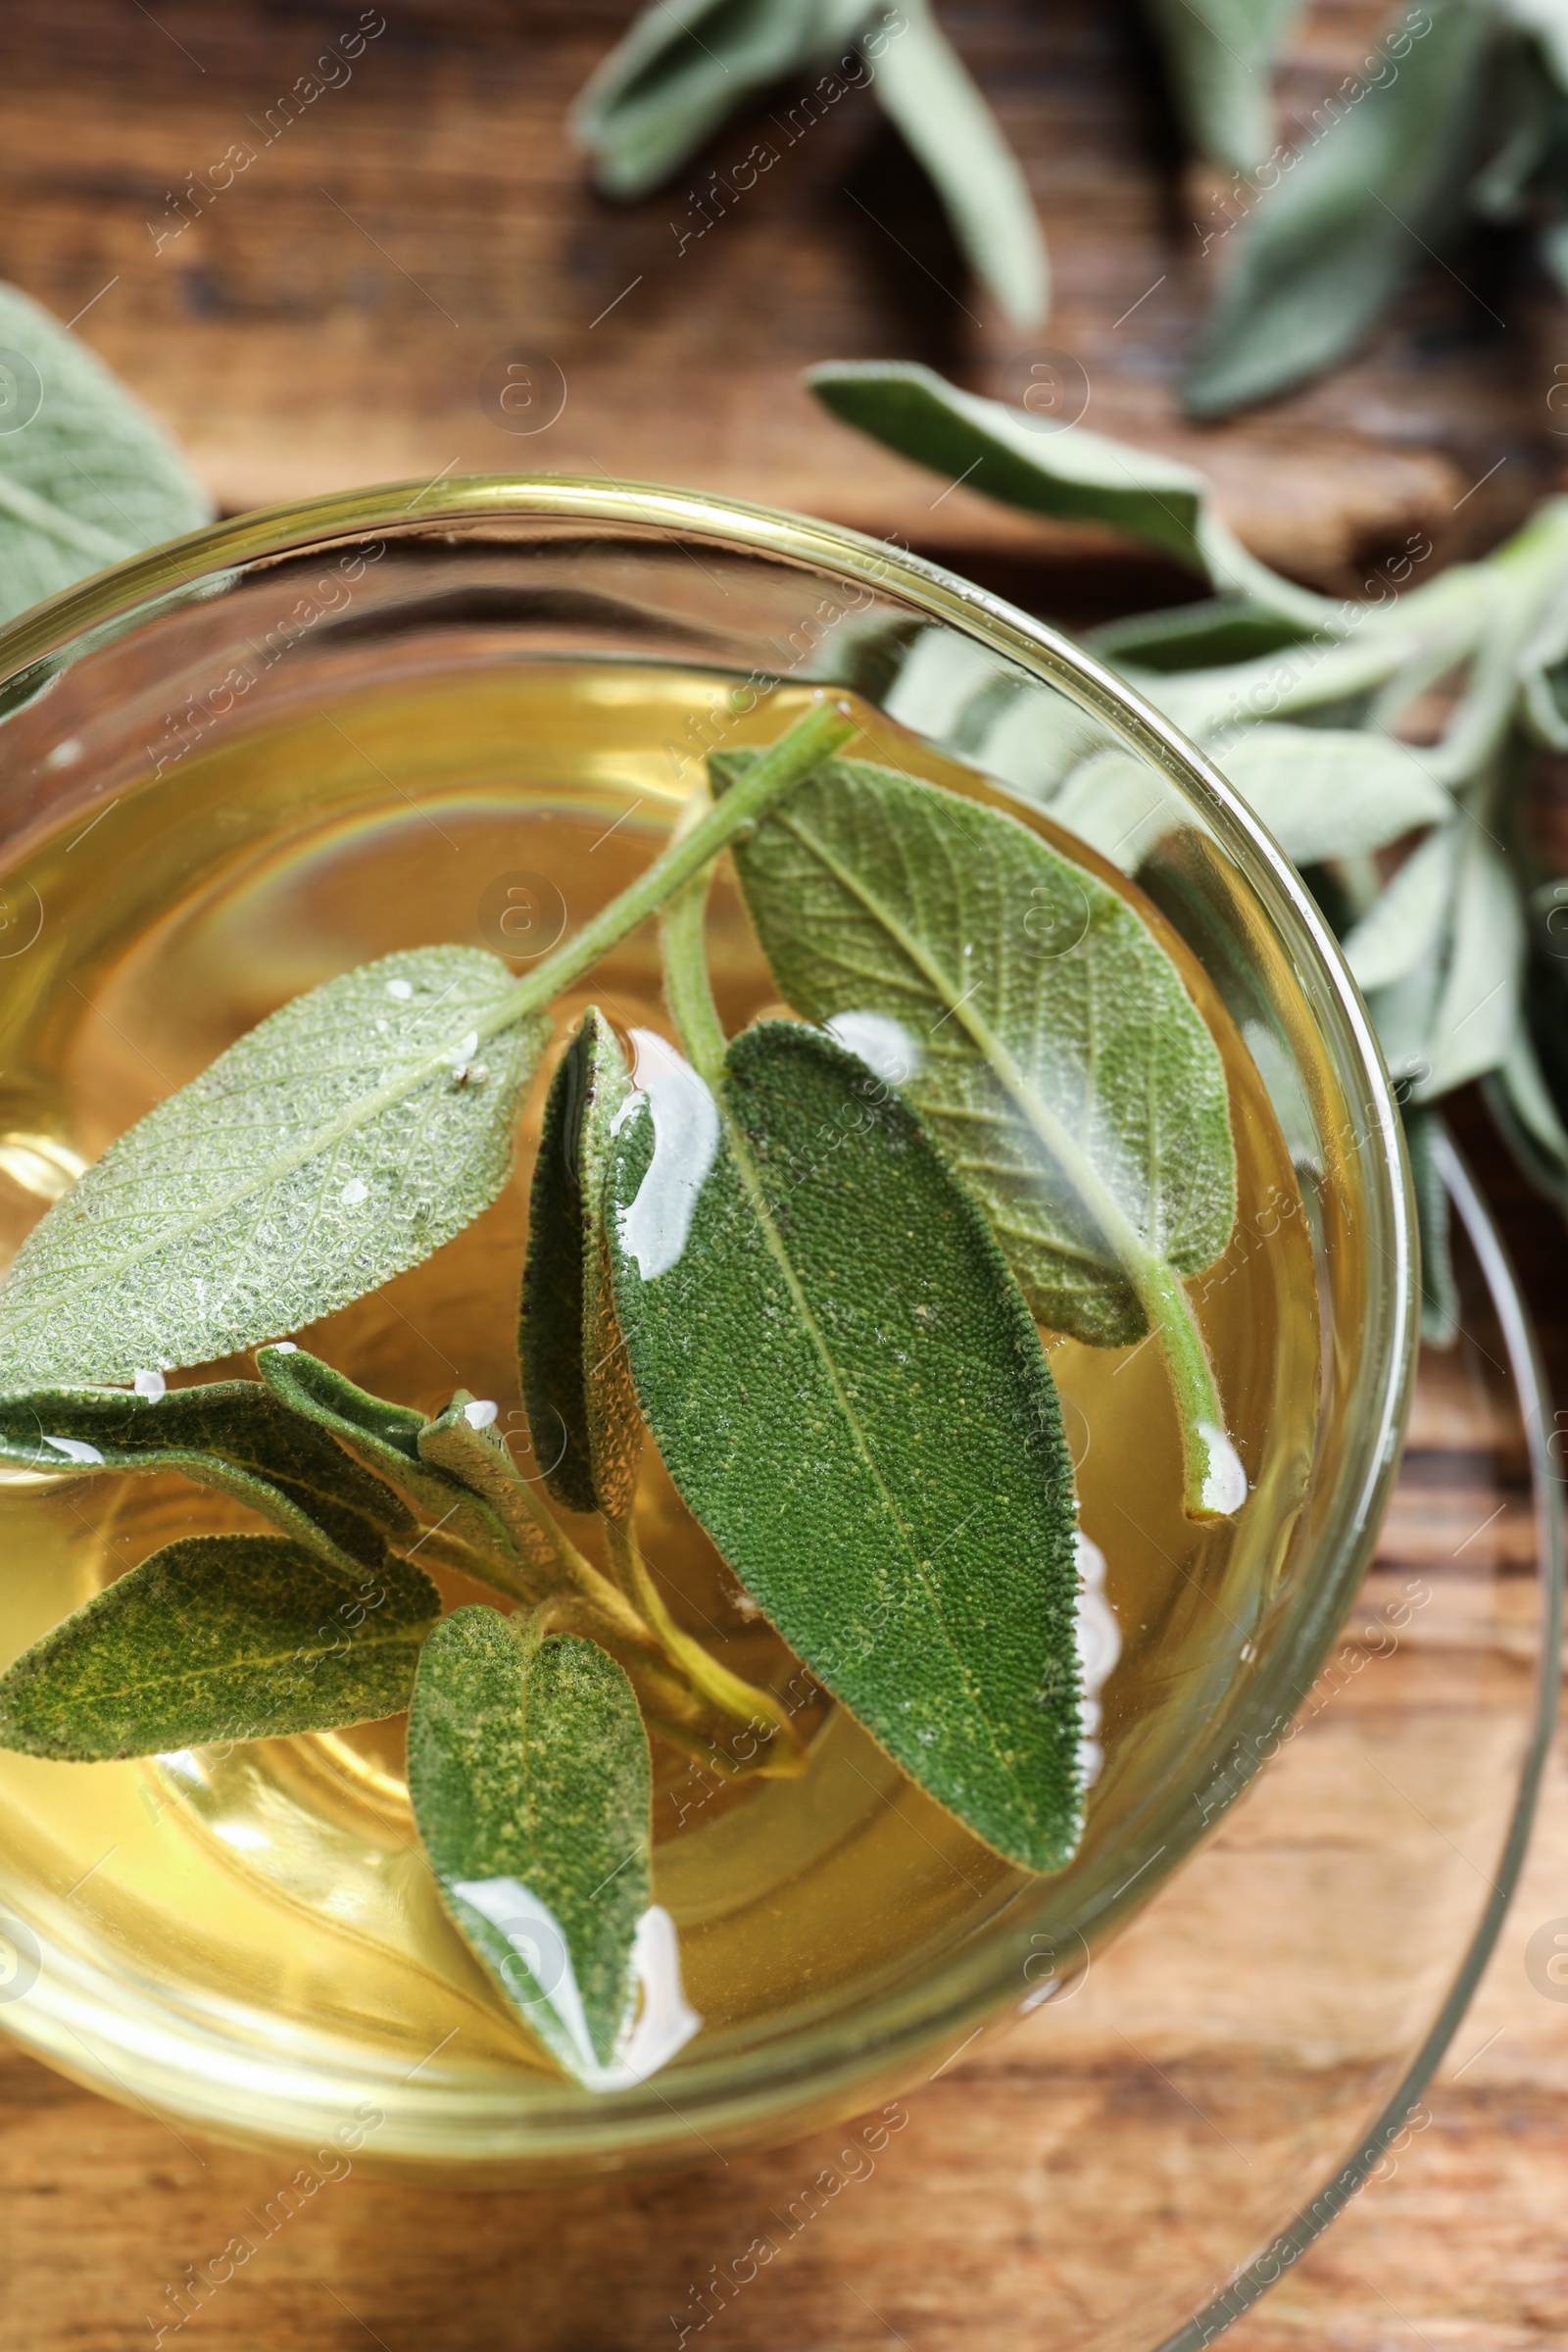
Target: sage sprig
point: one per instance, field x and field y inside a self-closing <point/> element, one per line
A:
<point x="812" y="1276"/>
<point x="683" y="70"/>
<point x="1319" y="713"/>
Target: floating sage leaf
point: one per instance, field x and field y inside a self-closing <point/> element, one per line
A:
<point x="230" y="1436"/>
<point x="1331" y="792"/>
<point x="847" y="1389"/>
<point x="1025" y="1010"/>
<point x="529" y="1774"/>
<point x="218" y="1638"/>
<point x="582" y="1410"/>
<point x="1323" y="251"/>
<point x="86" y="476"/>
<point x="385" y="1436"/>
<point x="340" y="1142"/>
<point x="1075" y="474"/>
<point x="1220" y="54"/>
<point x="924" y="89"/>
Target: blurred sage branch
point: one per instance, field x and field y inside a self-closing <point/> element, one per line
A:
<point x="1386" y="744"/>
<point x="686" y="66"/>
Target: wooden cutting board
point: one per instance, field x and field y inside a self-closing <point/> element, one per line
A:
<point x="335" y="315"/>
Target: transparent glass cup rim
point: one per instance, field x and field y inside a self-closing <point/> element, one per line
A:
<point x="115" y="602"/>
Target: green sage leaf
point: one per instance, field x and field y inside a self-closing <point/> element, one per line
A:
<point x="218" y="1638"/>
<point x="1220" y="56"/>
<point x="582" y="1410"/>
<point x="925" y="90"/>
<point x="1426" y="1137"/>
<point x="230" y="1436"/>
<point x="86" y="476"/>
<point x="1024" y="1009"/>
<point x="464" y="1443"/>
<point x="1210" y="634"/>
<point x="1078" y="475"/>
<point x="1326" y="248"/>
<point x="1477" y="1011"/>
<point x="1404" y="926"/>
<point x="529" y="1774"/>
<point x="1329" y="792"/>
<point x="848" y="1390"/>
<point x="340" y="1142"/>
<point x="684" y="67"/>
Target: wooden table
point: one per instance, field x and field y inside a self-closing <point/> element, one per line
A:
<point x="329" y="319"/>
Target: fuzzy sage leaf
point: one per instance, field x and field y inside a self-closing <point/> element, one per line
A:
<point x="849" y="1393"/>
<point x="86" y="476"/>
<point x="582" y="1411"/>
<point x="529" y="1775"/>
<point x="340" y="1142"/>
<point x="1078" y="475"/>
<point x="1325" y="249"/>
<point x="230" y="1436"/>
<point x="1034" y="1019"/>
<point x="1219" y="55"/>
<point x="218" y="1638"/>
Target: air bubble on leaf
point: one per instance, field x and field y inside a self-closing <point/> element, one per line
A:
<point x="480" y="1413"/>
<point x="400" y="989"/>
<point x="881" y="1042"/>
<point x="353" y="1191"/>
<point x="150" y="1385"/>
<point x="469" y="1045"/>
<point x="75" y="1449"/>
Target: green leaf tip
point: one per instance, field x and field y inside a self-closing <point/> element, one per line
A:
<point x="849" y="1391"/>
<point x="218" y="1638"/>
<point x="529" y="1774"/>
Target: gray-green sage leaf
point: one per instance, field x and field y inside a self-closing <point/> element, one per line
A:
<point x="343" y="1139"/>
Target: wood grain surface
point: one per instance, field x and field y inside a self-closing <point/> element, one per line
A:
<point x="337" y="315"/>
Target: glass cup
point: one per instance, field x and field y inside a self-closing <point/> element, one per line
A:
<point x="281" y="733"/>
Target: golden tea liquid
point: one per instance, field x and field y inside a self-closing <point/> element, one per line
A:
<point x="284" y="1880"/>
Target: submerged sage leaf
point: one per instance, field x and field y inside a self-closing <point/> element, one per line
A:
<point x="385" y="1436"/>
<point x="529" y="1775"/>
<point x="343" y="1139"/>
<point x="1324" y="250"/>
<point x="848" y="1390"/>
<point x="1025" y="1010"/>
<point x="582" y="1410"/>
<point x="231" y="1436"/>
<point x="86" y="476"/>
<point x="218" y="1638"/>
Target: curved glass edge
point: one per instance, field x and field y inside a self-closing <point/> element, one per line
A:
<point x="1286" y="2248"/>
<point x="205" y="563"/>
